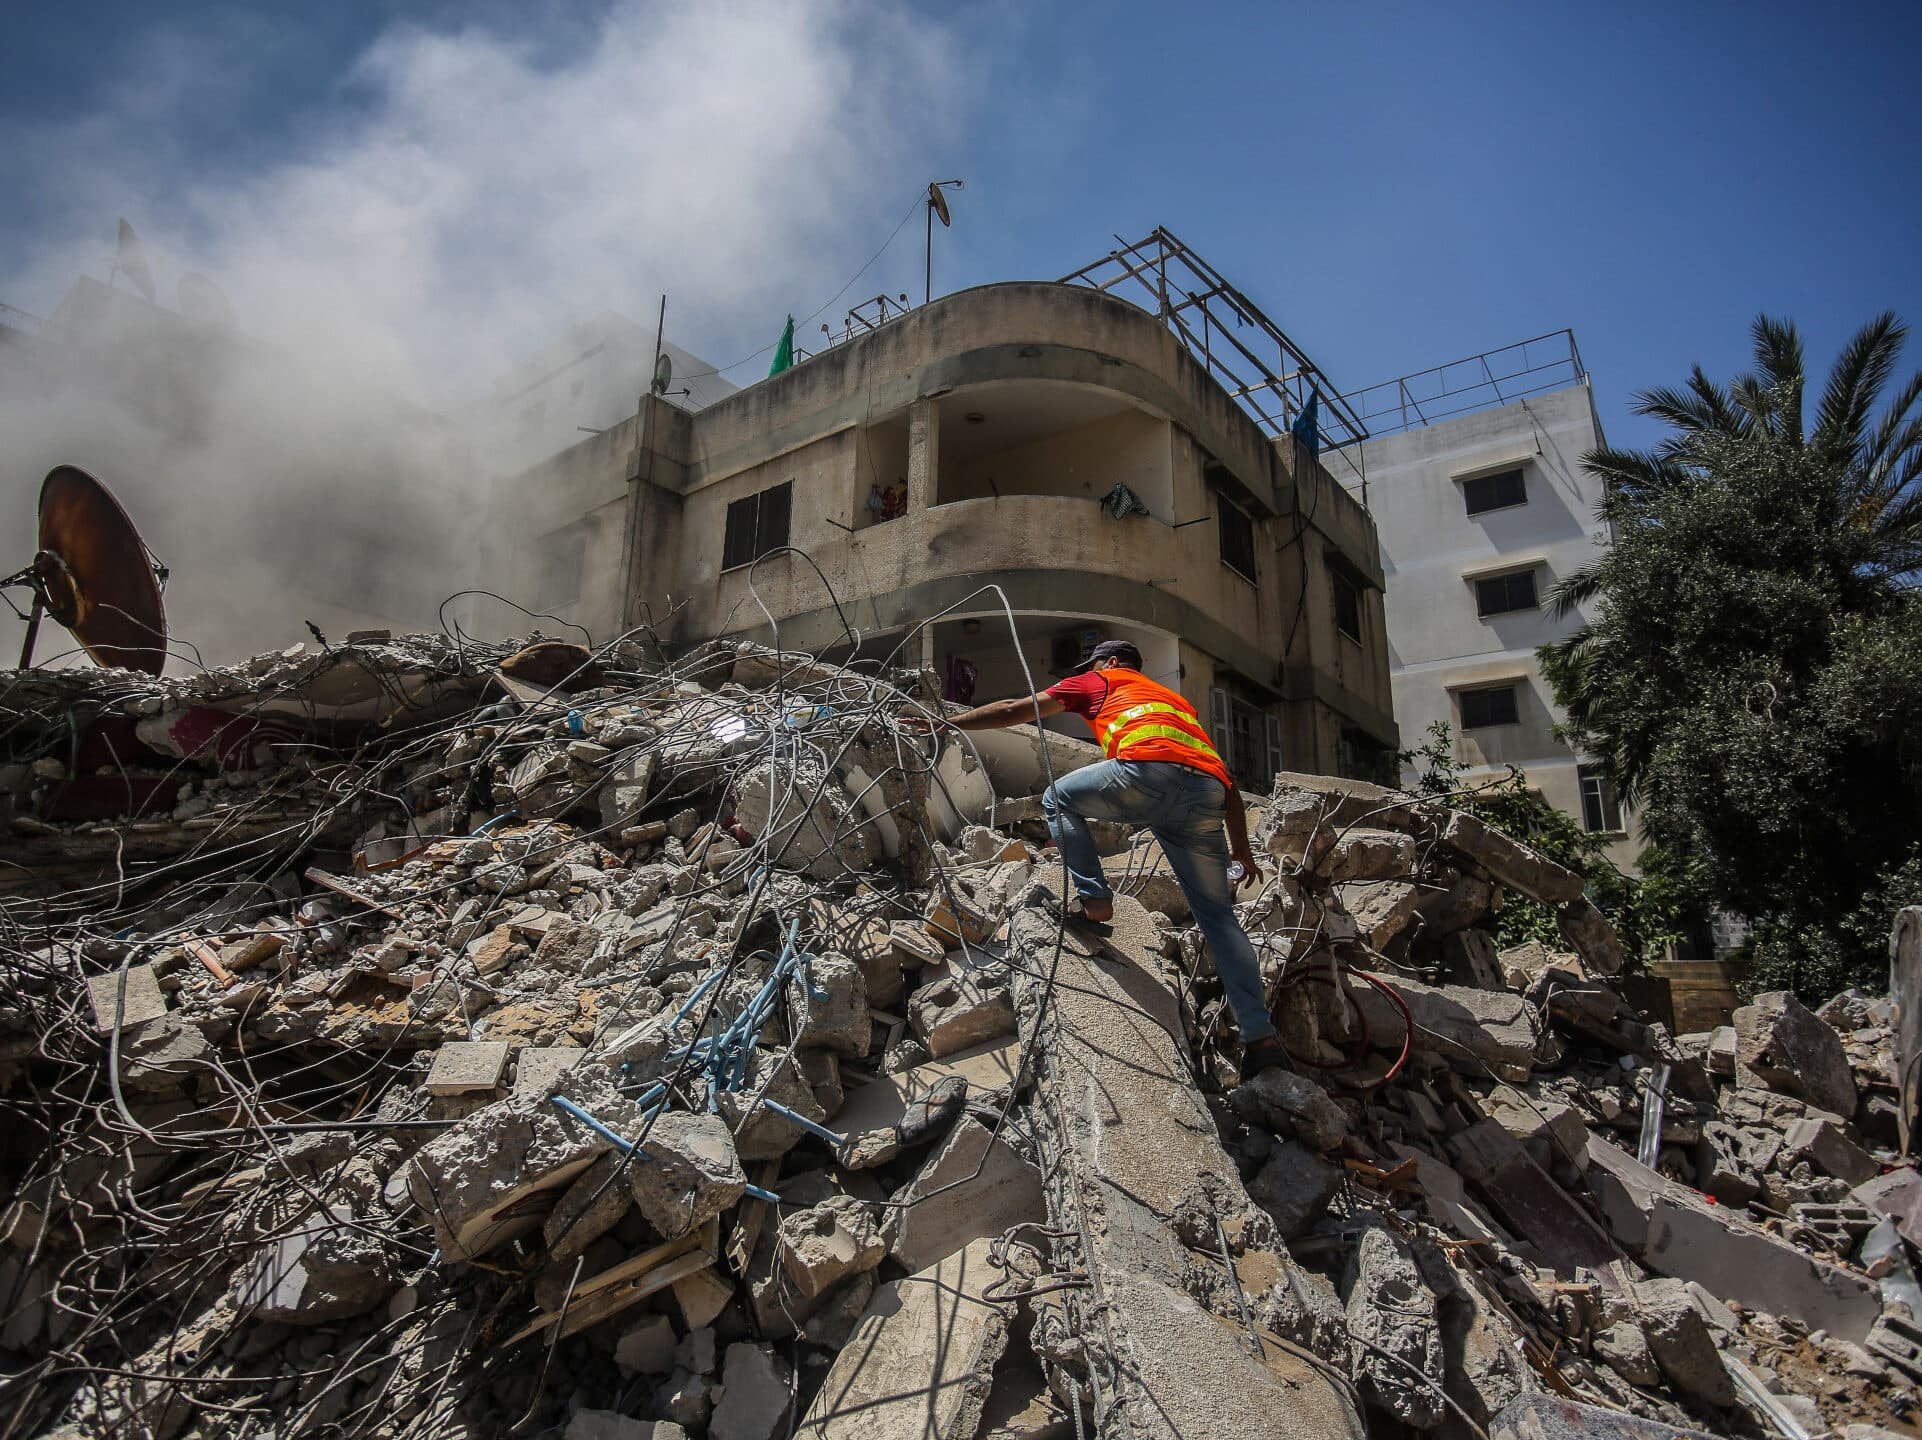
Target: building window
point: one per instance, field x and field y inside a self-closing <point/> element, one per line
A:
<point x="1247" y="738"/>
<point x="1494" y="492"/>
<point x="757" y="524"/>
<point x="1494" y="706"/>
<point x="1347" y="605"/>
<point x="1237" y="537"/>
<point x="1501" y="594"/>
<point x="1601" y="809"/>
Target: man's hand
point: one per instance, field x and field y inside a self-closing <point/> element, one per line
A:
<point x="1251" y="873"/>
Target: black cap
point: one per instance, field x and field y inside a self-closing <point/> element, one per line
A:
<point x="1122" y="650"/>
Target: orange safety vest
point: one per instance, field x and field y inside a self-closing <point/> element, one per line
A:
<point x="1142" y="720"/>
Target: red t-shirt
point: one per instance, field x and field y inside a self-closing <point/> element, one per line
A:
<point x="1081" y="694"/>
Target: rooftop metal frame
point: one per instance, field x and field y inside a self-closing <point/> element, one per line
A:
<point x="1212" y="318"/>
<point x="1479" y="382"/>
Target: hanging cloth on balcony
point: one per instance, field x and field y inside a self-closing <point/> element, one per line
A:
<point x="1121" y="502"/>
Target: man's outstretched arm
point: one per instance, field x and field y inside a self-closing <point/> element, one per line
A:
<point x="1000" y="714"/>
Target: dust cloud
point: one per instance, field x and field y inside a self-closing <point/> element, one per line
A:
<point x="331" y="453"/>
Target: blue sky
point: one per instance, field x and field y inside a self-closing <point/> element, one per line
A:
<point x="1397" y="185"/>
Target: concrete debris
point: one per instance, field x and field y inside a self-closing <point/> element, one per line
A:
<point x="593" y="1044"/>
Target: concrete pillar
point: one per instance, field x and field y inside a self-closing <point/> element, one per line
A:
<point x="924" y="448"/>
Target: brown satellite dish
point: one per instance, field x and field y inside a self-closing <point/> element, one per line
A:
<point x="95" y="576"/>
<point x="939" y="202"/>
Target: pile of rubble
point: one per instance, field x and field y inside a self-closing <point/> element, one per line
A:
<point x="417" y="1038"/>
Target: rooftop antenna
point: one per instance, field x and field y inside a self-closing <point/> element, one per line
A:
<point x="95" y="575"/>
<point x="937" y="205"/>
<point x="663" y="372"/>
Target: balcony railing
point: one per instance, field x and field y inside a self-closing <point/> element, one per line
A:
<point x="1481" y="382"/>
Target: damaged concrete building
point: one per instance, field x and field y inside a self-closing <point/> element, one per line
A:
<point x="430" y="1040"/>
<point x="1085" y="455"/>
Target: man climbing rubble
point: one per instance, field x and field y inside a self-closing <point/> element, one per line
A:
<point x="1162" y="773"/>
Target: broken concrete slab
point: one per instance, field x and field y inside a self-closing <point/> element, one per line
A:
<point x="463" y="1067"/>
<point x="1509" y="861"/>
<point x="1107" y="1045"/>
<point x="1492" y="1027"/>
<point x="1363" y="854"/>
<point x="1549" y="1417"/>
<point x="1295" y="1187"/>
<point x="587" y="1209"/>
<point x="1897" y="1195"/>
<point x="327" y="1269"/>
<point x="648" y="1347"/>
<point x="1780" y="1045"/>
<point x="1381" y="910"/>
<point x="920" y="1363"/>
<point x="539" y="1066"/>
<point x="974" y="1186"/>
<point x="1679" y="1339"/>
<point x="142" y="1001"/>
<point x="829" y="1002"/>
<point x="1674" y="1232"/>
<point x="1828" y="1147"/>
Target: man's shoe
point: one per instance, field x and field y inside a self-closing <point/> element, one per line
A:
<point x="1265" y="1054"/>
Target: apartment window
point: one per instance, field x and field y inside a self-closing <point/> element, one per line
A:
<point x="757" y="524"/>
<point x="1237" y="537"/>
<point x="1247" y="737"/>
<point x="1347" y="605"/>
<point x="1501" y="594"/>
<point x="1496" y="705"/>
<point x="1494" y="492"/>
<point x="1601" y="808"/>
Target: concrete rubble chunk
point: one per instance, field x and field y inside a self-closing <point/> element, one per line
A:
<point x="1624" y="1349"/>
<point x="648" y="1347"/>
<point x="1291" y="1104"/>
<point x="1824" y="1142"/>
<point x="824" y="1244"/>
<point x="328" y="1269"/>
<point x="1362" y="854"/>
<point x="463" y="1067"/>
<point x="973" y="1186"/>
<point x="1679" y="1339"/>
<point x="473" y="1181"/>
<point x="142" y="1001"/>
<point x="1295" y="1187"/>
<point x="756" y="1395"/>
<point x="1382" y="910"/>
<point x="587" y="1209"/>
<point x="920" y="1362"/>
<point x="1549" y="1417"/>
<point x="1392" y="1310"/>
<point x="1508" y="860"/>
<point x="689" y="1174"/>
<point x="829" y="999"/>
<point x="1589" y="935"/>
<point x="1780" y="1045"/>
<point x="961" y="1007"/>
<point x="1457" y="1021"/>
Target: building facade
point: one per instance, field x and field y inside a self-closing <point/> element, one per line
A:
<point x="985" y="486"/>
<point x="1476" y="482"/>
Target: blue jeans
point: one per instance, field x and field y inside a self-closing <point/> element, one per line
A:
<point x="1183" y="806"/>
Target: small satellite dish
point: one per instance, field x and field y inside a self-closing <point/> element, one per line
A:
<point x="663" y="373"/>
<point x="203" y="304"/>
<point x="95" y="576"/>
<point x="939" y="202"/>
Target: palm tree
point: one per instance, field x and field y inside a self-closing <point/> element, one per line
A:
<point x="1854" y="475"/>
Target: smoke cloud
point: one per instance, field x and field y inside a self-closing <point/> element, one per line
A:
<point x="472" y="195"/>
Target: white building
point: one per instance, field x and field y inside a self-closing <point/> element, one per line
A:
<point x="1475" y="480"/>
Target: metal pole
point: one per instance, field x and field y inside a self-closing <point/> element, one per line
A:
<point x="927" y="284"/>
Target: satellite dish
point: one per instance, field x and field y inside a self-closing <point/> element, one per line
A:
<point x="939" y="202"/>
<point x="203" y="303"/>
<point x="663" y="373"/>
<point x="95" y="576"/>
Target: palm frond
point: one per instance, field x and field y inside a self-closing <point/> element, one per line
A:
<point x="1896" y="422"/>
<point x="1778" y="359"/>
<point x="1637" y="472"/>
<point x="1860" y="372"/>
<point x="1576" y="589"/>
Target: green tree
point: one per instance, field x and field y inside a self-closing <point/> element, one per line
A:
<point x="1752" y="677"/>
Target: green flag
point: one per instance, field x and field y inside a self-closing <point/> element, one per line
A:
<point x="784" y="352"/>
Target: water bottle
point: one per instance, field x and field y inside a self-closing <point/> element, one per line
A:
<point x="1236" y="874"/>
